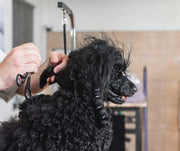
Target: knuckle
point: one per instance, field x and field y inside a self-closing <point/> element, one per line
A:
<point x="35" y="50"/>
<point x="34" y="68"/>
<point x="14" y="51"/>
<point x="37" y="63"/>
<point x="30" y="44"/>
<point x="66" y="57"/>
<point x="37" y="59"/>
<point x="40" y="60"/>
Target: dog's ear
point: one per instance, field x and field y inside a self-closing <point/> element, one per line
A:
<point x="44" y="76"/>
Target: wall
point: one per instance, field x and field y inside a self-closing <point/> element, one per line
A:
<point x="7" y="5"/>
<point x="6" y="108"/>
<point x="160" y="52"/>
<point x="106" y="15"/>
<point x="118" y="14"/>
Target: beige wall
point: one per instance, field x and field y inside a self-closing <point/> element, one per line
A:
<point x="160" y="52"/>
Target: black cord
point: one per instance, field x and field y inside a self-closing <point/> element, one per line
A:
<point x="64" y="35"/>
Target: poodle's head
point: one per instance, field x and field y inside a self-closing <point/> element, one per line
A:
<point x="120" y="87"/>
<point x="98" y="65"/>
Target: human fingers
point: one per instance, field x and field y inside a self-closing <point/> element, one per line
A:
<point x="51" y="79"/>
<point x="55" y="58"/>
<point x="29" y="45"/>
<point x="32" y="68"/>
<point x="48" y="80"/>
<point x="26" y="46"/>
<point x="32" y="51"/>
<point x="21" y="53"/>
<point x="31" y="58"/>
<point x="61" y="65"/>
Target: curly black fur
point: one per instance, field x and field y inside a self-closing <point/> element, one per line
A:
<point x="73" y="118"/>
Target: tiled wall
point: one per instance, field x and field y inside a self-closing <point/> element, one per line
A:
<point x="160" y="52"/>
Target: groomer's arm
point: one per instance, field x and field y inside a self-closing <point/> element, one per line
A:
<point x="58" y="60"/>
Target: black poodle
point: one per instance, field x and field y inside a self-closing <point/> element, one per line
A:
<point x="73" y="118"/>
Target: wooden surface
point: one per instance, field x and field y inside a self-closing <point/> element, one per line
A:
<point x="159" y="51"/>
<point x="128" y="105"/>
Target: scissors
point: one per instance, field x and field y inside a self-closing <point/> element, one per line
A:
<point x="20" y="79"/>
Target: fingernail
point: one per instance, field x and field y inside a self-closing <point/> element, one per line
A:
<point x="48" y="79"/>
<point x="55" y="70"/>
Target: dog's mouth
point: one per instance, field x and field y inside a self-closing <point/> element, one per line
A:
<point x="115" y="98"/>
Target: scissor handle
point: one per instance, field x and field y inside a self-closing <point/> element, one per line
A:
<point x="27" y="92"/>
<point x="20" y="79"/>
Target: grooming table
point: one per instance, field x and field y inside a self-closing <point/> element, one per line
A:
<point x="134" y="123"/>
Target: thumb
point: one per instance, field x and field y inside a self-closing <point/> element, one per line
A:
<point x="55" y="58"/>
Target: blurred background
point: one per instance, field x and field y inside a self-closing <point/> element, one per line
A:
<point x="151" y="119"/>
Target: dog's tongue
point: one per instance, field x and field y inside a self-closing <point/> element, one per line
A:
<point x="124" y="97"/>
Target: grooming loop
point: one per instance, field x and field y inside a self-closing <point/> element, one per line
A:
<point x="67" y="10"/>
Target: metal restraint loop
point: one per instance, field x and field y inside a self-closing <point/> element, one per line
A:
<point x="20" y="79"/>
<point x="69" y="12"/>
<point x="64" y="22"/>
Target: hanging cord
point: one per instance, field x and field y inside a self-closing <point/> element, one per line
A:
<point x="64" y="22"/>
<point x="20" y="79"/>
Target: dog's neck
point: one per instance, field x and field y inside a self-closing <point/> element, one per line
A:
<point x="85" y="97"/>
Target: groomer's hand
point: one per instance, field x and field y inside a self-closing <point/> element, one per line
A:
<point x="59" y="61"/>
<point x="21" y="59"/>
